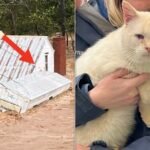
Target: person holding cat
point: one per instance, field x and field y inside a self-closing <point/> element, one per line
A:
<point x="90" y="102"/>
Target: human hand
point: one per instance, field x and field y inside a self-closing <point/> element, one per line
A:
<point x="81" y="147"/>
<point x="115" y="91"/>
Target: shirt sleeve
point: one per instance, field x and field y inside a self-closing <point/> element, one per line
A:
<point x="85" y="109"/>
<point x="140" y="144"/>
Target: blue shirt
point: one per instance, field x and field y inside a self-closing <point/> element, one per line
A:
<point x="102" y="8"/>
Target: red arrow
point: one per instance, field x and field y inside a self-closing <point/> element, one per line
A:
<point x="25" y="56"/>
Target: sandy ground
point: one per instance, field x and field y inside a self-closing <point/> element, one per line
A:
<point x="48" y="126"/>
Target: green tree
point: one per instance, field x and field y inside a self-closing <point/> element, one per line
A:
<point x="41" y="17"/>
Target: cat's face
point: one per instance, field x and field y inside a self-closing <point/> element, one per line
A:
<point x="137" y="34"/>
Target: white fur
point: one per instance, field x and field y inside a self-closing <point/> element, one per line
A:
<point x="119" y="49"/>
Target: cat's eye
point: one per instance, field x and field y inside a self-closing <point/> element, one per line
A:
<point x="139" y="36"/>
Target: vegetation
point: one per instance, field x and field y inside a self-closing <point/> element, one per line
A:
<point x="36" y="17"/>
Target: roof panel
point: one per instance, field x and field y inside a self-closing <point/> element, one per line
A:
<point x="36" y="84"/>
<point x="10" y="65"/>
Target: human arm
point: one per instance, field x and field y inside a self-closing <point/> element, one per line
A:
<point x="116" y="90"/>
<point x="112" y="91"/>
<point x="85" y="26"/>
<point x="85" y="109"/>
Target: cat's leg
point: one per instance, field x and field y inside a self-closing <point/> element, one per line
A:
<point x="110" y="128"/>
<point x="144" y="104"/>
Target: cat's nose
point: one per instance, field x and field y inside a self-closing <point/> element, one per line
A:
<point x="148" y="49"/>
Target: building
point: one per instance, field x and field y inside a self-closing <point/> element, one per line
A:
<point x="24" y="85"/>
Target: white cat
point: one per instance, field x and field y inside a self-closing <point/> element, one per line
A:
<point x="127" y="47"/>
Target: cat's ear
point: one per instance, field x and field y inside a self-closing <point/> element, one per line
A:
<point x="129" y="12"/>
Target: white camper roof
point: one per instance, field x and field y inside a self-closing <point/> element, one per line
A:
<point x="24" y="85"/>
<point x="10" y="65"/>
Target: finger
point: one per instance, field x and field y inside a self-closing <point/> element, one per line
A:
<point x="133" y="93"/>
<point x="136" y="101"/>
<point x="130" y="102"/>
<point x="133" y="100"/>
<point x="130" y="75"/>
<point x="137" y="81"/>
<point x="119" y="73"/>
